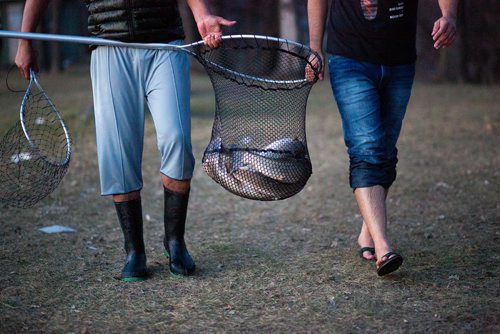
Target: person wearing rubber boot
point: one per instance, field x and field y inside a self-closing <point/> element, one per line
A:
<point x="122" y="80"/>
<point x="371" y="57"/>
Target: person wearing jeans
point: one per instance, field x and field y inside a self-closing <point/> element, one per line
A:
<point x="371" y="53"/>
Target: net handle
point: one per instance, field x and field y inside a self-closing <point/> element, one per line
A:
<point x="110" y="42"/>
<point x="22" y="117"/>
<point x="163" y="46"/>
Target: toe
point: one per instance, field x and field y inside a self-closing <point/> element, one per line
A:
<point x="368" y="255"/>
<point x="384" y="259"/>
<point x="381" y="261"/>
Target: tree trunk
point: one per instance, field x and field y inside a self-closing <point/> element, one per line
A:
<point x="55" y="62"/>
<point x="190" y="28"/>
<point x="288" y="21"/>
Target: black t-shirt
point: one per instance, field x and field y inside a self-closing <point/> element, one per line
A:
<point x="376" y="31"/>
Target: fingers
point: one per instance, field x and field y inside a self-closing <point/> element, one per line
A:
<point x="311" y="74"/>
<point x="210" y="29"/>
<point x="435" y="28"/>
<point x="35" y="69"/>
<point x="26" y="59"/>
<point x="446" y="41"/>
<point x="213" y="40"/>
<point x="226" y="23"/>
<point x="24" y="69"/>
<point x="314" y="68"/>
<point x="24" y="73"/>
<point x="443" y="33"/>
<point x="321" y="73"/>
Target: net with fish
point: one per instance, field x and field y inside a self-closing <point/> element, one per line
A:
<point x="258" y="148"/>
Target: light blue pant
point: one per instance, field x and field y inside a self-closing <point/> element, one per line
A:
<point x="122" y="79"/>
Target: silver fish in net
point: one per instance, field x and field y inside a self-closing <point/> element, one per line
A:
<point x="268" y="174"/>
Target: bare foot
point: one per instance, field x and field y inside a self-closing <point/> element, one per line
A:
<point x="384" y="258"/>
<point x="365" y="240"/>
<point x="388" y="263"/>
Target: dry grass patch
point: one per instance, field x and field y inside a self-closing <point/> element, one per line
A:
<point x="287" y="266"/>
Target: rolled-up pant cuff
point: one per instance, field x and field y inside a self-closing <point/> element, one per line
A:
<point x="363" y="174"/>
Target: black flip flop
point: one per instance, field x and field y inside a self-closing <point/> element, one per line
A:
<point x="390" y="264"/>
<point x="366" y="249"/>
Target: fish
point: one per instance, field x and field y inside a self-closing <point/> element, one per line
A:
<point x="265" y="188"/>
<point x="278" y="171"/>
<point x="280" y="167"/>
<point x="286" y="146"/>
<point x="215" y="166"/>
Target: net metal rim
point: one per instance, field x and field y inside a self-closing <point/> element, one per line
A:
<point x="285" y="84"/>
<point x="34" y="80"/>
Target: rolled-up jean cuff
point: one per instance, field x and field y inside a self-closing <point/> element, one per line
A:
<point x="363" y="174"/>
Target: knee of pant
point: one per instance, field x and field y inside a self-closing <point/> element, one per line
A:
<point x="366" y="174"/>
<point x="172" y="139"/>
<point x="369" y="146"/>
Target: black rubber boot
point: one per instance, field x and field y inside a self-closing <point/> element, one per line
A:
<point x="180" y="262"/>
<point x="130" y="217"/>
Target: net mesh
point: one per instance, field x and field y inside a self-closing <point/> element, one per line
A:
<point x="34" y="153"/>
<point x="258" y="148"/>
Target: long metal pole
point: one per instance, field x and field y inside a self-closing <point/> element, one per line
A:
<point x="109" y="42"/>
<point x="87" y="40"/>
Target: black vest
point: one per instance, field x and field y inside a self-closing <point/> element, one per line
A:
<point x="376" y="31"/>
<point x="142" y="21"/>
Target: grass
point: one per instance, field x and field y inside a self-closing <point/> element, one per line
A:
<point x="286" y="266"/>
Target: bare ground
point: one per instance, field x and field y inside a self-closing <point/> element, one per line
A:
<point x="285" y="266"/>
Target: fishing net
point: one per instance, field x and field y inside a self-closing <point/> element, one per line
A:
<point x="258" y="148"/>
<point x="35" y="152"/>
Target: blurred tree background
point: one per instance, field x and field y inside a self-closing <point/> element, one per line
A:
<point x="475" y="55"/>
<point x="473" y="58"/>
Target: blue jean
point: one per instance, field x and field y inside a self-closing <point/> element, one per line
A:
<point x="372" y="101"/>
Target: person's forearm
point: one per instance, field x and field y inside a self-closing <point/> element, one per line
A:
<point x="198" y="8"/>
<point x="33" y="10"/>
<point x="25" y="56"/>
<point x="317" y="11"/>
<point x="449" y="8"/>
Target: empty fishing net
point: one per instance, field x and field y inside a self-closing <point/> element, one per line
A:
<point x="35" y="152"/>
<point x="258" y="148"/>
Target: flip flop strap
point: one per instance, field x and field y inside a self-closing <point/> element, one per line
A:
<point x="388" y="255"/>
<point x="367" y="249"/>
